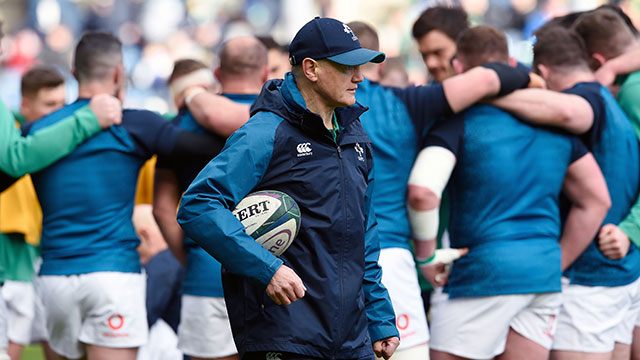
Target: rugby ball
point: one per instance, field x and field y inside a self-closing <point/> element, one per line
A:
<point x="271" y="217"/>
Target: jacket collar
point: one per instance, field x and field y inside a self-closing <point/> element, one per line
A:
<point x="283" y="98"/>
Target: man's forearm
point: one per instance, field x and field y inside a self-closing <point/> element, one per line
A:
<point x="545" y="107"/>
<point x="22" y="155"/>
<point x="218" y="114"/>
<point x="580" y="228"/>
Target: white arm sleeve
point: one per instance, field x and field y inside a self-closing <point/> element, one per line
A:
<point x="432" y="170"/>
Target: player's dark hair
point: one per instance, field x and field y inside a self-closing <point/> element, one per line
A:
<point x="97" y="53"/>
<point x="366" y="34"/>
<point x="565" y="21"/>
<point x="622" y="14"/>
<point x="270" y="43"/>
<point x="184" y="67"/>
<point x="604" y="32"/>
<point x="482" y="44"/>
<point x="450" y="20"/>
<point x="241" y="60"/>
<point x="40" y="77"/>
<point x="558" y="47"/>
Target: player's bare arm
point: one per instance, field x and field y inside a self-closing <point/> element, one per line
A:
<point x="216" y="113"/>
<point x="429" y="176"/>
<point x="165" y="202"/>
<point x="623" y="64"/>
<point x="585" y="186"/>
<point x="546" y="107"/>
<point x="480" y="82"/>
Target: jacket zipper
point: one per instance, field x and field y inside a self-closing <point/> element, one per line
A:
<point x="341" y="267"/>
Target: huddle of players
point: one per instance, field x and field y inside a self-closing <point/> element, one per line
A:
<point x="542" y="276"/>
<point x="505" y="199"/>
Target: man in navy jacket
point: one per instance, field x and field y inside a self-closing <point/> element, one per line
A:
<point x="304" y="139"/>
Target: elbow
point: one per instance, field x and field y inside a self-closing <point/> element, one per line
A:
<point x="572" y="120"/>
<point x="421" y="198"/>
<point x="491" y="81"/>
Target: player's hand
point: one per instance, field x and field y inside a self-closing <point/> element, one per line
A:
<point x="536" y="81"/>
<point x="108" y="110"/>
<point x="386" y="347"/>
<point x="613" y="242"/>
<point x="605" y="75"/>
<point x="285" y="286"/>
<point x="437" y="272"/>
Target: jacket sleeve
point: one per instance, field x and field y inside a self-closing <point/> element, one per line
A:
<point x="382" y="319"/>
<point x="205" y="210"/>
<point x="21" y="155"/>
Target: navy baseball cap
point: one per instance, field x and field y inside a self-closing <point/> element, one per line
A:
<point x="331" y="39"/>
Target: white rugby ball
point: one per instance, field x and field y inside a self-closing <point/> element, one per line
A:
<point x="271" y="217"/>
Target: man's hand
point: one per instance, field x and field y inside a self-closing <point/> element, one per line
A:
<point x="108" y="110"/>
<point x="605" y="75"/>
<point x="613" y="242"/>
<point x="536" y="81"/>
<point x="386" y="347"/>
<point x="437" y="271"/>
<point x="285" y="286"/>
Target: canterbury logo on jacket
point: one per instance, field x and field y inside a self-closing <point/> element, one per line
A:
<point x="287" y="148"/>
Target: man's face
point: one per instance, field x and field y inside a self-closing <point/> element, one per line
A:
<point x="337" y="83"/>
<point x="278" y="64"/>
<point x="46" y="101"/>
<point x="437" y="49"/>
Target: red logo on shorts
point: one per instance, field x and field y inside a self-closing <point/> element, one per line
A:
<point x="551" y="323"/>
<point x="115" y="322"/>
<point x="402" y="322"/>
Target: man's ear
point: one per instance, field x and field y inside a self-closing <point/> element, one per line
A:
<point x="265" y="73"/>
<point x="216" y="73"/>
<point x="310" y="69"/>
<point x="597" y="60"/>
<point x="544" y="71"/>
<point x="513" y="62"/>
<point x="458" y="66"/>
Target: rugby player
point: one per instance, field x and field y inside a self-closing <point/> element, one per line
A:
<point x="435" y="31"/>
<point x="42" y="90"/>
<point x="397" y="122"/>
<point x="562" y="60"/>
<point x="506" y="179"/>
<point x="90" y="280"/>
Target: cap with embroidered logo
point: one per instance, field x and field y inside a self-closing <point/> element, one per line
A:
<point x="331" y="39"/>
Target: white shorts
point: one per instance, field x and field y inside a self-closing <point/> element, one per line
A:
<point x="593" y="318"/>
<point x="400" y="277"/>
<point x="477" y="328"/>
<point x="102" y="308"/>
<point x="4" y="339"/>
<point x="204" y="330"/>
<point x="25" y="313"/>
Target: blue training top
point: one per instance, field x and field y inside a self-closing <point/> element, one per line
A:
<point x="504" y="194"/>
<point x="202" y="273"/>
<point x="615" y="147"/>
<point x="397" y="122"/>
<point x="87" y="197"/>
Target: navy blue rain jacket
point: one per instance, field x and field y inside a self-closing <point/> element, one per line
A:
<point x="287" y="148"/>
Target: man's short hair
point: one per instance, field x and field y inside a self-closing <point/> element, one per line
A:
<point x="558" y="47"/>
<point x="270" y="43"/>
<point x="184" y="67"/>
<point x="604" y="32"/>
<point x="482" y="44"/>
<point x="248" y="59"/>
<point x="97" y="53"/>
<point x="366" y="34"/>
<point x="450" y="20"/>
<point x="40" y="77"/>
